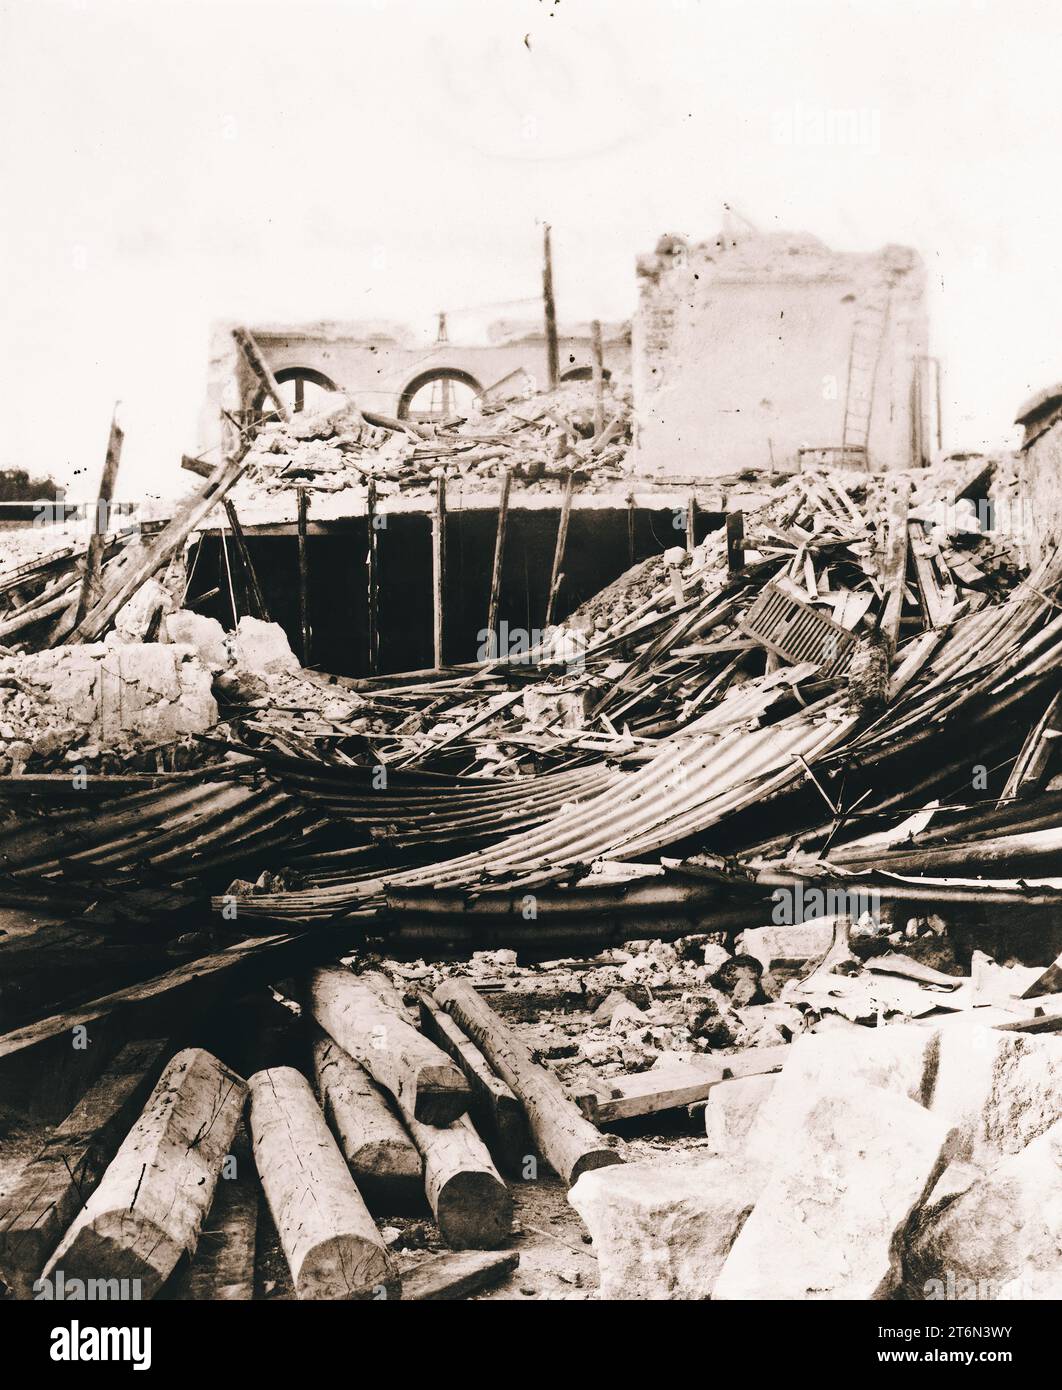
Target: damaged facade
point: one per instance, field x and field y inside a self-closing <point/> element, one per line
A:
<point x="712" y="927"/>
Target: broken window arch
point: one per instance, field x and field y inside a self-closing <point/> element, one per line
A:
<point x="438" y="394"/>
<point x="303" y="388"/>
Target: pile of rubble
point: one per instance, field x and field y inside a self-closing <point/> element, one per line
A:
<point x="537" y="437"/>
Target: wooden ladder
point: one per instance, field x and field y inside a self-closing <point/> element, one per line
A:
<point x="868" y="338"/>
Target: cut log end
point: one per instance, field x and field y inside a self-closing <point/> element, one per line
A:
<point x="346" y="1268"/>
<point x="592" y="1159"/>
<point x="442" y="1096"/>
<point x="475" y="1212"/>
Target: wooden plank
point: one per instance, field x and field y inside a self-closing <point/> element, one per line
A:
<point x="1050" y="982"/>
<point x="568" y="1142"/>
<point x="651" y="1092"/>
<point x="59" y="1180"/>
<point x="455" y="1276"/>
<point x="498" y="1114"/>
<point x="895" y="562"/>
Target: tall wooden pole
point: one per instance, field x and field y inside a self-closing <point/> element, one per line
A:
<point x="372" y="560"/>
<point x="691" y="522"/>
<point x="90" y="583"/>
<point x="499" y="555"/>
<point x="552" y="350"/>
<point x="562" y="543"/>
<point x="304" y="580"/>
<point x="598" y="374"/>
<point x="438" y="566"/>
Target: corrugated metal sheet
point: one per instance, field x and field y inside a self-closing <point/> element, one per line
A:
<point x="176" y="832"/>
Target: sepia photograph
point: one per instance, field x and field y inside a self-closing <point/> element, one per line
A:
<point x="530" y="673"/>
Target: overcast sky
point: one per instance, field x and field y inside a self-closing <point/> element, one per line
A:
<point x="168" y="162"/>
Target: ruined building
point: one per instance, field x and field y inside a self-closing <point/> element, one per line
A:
<point x="765" y="351"/>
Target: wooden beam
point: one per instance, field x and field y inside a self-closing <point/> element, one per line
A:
<point x="499" y="557"/>
<point x="568" y="1142"/>
<point x="381" y="1156"/>
<point x="177" y="992"/>
<point x="691" y="522"/>
<point x="499" y="1116"/>
<point x="150" y="1205"/>
<point x="260" y="367"/>
<point x="735" y="541"/>
<point x="373" y="579"/>
<point x="472" y="1206"/>
<point x="550" y="309"/>
<point x="250" y="574"/>
<point x="597" y="371"/>
<point x="52" y="1188"/>
<point x="438" y="568"/>
<point x="333" y="1248"/>
<point x="894" y="570"/>
<point x="90" y="583"/>
<point x="557" y="576"/>
<point x="364" y="1015"/>
<point x="304" y="578"/>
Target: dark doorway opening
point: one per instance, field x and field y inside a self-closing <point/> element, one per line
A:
<point x="598" y="551"/>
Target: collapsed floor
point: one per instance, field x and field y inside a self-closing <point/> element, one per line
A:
<point x="759" y="844"/>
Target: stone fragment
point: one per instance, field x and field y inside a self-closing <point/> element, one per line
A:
<point x="1003" y="1234"/>
<point x="897" y="1058"/>
<point x="662" y="1230"/>
<point x="730" y="1110"/>
<point x="1000" y="1090"/>
<point x="844" y="1186"/>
